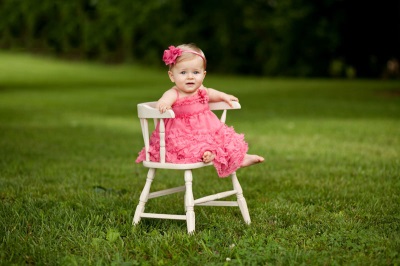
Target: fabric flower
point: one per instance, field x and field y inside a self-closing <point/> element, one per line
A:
<point x="171" y="54"/>
<point x="202" y="95"/>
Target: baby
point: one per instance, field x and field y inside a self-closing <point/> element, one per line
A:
<point x="196" y="134"/>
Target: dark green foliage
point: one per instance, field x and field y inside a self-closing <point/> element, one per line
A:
<point x="274" y="38"/>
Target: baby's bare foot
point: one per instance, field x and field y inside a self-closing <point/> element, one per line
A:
<point x="208" y="157"/>
<point x="250" y="159"/>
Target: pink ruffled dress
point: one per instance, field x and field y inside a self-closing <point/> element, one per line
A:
<point x="195" y="130"/>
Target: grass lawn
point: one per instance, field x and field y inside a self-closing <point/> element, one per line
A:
<point x="328" y="193"/>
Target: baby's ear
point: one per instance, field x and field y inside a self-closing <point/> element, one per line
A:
<point x="171" y="76"/>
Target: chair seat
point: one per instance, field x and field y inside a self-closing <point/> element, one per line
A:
<point x="177" y="166"/>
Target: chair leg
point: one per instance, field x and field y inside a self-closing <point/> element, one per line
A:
<point x="144" y="196"/>
<point x="240" y="199"/>
<point x="189" y="202"/>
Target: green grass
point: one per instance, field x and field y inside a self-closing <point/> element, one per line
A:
<point x="328" y="193"/>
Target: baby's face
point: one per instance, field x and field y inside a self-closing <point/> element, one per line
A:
<point x="188" y="75"/>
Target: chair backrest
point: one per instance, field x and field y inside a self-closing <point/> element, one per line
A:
<point x="148" y="111"/>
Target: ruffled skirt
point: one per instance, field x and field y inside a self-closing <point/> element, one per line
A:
<point x="182" y="146"/>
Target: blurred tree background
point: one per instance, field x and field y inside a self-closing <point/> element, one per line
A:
<point x="298" y="38"/>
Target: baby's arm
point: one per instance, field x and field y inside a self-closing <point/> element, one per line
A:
<point x="166" y="101"/>
<point x="217" y="96"/>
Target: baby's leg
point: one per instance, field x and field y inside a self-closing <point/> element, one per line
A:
<point x="208" y="157"/>
<point x="250" y="159"/>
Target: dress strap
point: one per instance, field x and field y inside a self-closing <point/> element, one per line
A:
<point x="203" y="88"/>
<point x="177" y="94"/>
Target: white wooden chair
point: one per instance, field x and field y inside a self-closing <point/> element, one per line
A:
<point x="148" y="111"/>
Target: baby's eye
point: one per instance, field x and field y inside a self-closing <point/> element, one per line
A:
<point x="196" y="72"/>
<point x="183" y="72"/>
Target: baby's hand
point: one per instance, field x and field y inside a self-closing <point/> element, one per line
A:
<point x="228" y="98"/>
<point x="162" y="107"/>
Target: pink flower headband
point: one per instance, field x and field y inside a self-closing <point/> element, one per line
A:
<point x="173" y="53"/>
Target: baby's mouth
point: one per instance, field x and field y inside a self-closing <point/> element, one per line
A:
<point x="190" y="83"/>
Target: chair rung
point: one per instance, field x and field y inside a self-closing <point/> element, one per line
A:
<point x="219" y="203"/>
<point x="163" y="216"/>
<point x="215" y="197"/>
<point x="166" y="192"/>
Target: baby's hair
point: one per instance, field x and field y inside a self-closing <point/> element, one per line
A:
<point x="187" y="56"/>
